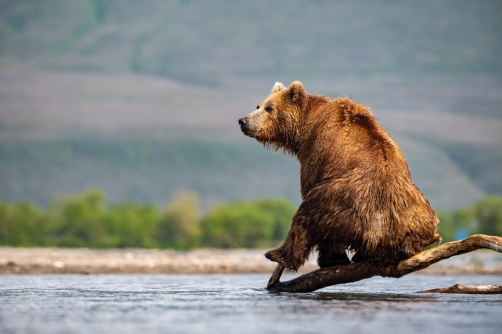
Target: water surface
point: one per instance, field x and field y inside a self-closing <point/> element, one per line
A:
<point x="239" y="304"/>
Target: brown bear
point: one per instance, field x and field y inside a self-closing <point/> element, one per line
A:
<point x="356" y="187"/>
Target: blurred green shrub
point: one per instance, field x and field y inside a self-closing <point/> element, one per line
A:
<point x="179" y="226"/>
<point x="131" y="224"/>
<point x="78" y="221"/>
<point x="21" y="224"/>
<point x="484" y="216"/>
<point x="445" y="229"/>
<point x="237" y="225"/>
<point x="247" y="224"/>
<point x="488" y="215"/>
<point x="85" y="220"/>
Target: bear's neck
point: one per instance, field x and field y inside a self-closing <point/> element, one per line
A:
<point x="296" y="140"/>
<point x="313" y="119"/>
<point x="312" y="164"/>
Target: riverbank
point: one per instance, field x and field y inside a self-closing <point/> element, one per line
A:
<point x="148" y="261"/>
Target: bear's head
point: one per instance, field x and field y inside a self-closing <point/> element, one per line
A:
<point x="277" y="119"/>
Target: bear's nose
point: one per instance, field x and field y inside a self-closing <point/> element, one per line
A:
<point x="242" y="122"/>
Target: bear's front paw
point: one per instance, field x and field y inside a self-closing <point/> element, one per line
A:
<point x="273" y="256"/>
<point x="277" y="255"/>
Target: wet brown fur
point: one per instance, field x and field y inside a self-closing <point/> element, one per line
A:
<point x="355" y="183"/>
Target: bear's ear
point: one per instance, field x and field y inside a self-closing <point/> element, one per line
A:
<point x="278" y="87"/>
<point x="296" y="92"/>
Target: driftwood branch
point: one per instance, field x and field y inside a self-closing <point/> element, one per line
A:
<point x="276" y="275"/>
<point x="478" y="289"/>
<point x="354" y="272"/>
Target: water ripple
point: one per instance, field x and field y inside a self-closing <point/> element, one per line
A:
<point x="239" y="303"/>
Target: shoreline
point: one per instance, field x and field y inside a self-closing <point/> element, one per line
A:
<point x="204" y="261"/>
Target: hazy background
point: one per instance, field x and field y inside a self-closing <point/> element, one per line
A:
<point x="142" y="98"/>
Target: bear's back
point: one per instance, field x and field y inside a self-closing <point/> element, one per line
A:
<point x="357" y="181"/>
<point x="344" y="136"/>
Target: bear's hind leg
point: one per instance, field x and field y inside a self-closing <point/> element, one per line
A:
<point x="414" y="244"/>
<point x="360" y="256"/>
<point x="327" y="257"/>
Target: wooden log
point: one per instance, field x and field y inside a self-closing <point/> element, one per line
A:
<point x="276" y="275"/>
<point x="354" y="272"/>
<point x="478" y="289"/>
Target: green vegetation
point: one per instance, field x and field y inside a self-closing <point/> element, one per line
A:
<point x="85" y="220"/>
<point x="247" y="224"/>
<point x="484" y="216"/>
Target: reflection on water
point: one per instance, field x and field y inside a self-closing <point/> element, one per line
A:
<point x="239" y="303"/>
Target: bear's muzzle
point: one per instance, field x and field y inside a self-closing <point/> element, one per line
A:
<point x="243" y="122"/>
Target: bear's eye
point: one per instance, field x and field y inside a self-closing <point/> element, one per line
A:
<point x="268" y="109"/>
<point x="258" y="107"/>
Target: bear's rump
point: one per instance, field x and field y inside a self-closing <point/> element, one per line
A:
<point x="372" y="220"/>
<point x="383" y="236"/>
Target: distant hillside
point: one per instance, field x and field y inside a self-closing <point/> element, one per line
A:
<point x="144" y="138"/>
<point x="142" y="98"/>
<point x="144" y="170"/>
<point x="218" y="41"/>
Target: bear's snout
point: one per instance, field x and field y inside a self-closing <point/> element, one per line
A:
<point x="248" y="126"/>
<point x="243" y="123"/>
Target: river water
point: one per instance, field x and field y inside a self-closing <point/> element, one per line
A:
<point x="239" y="304"/>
